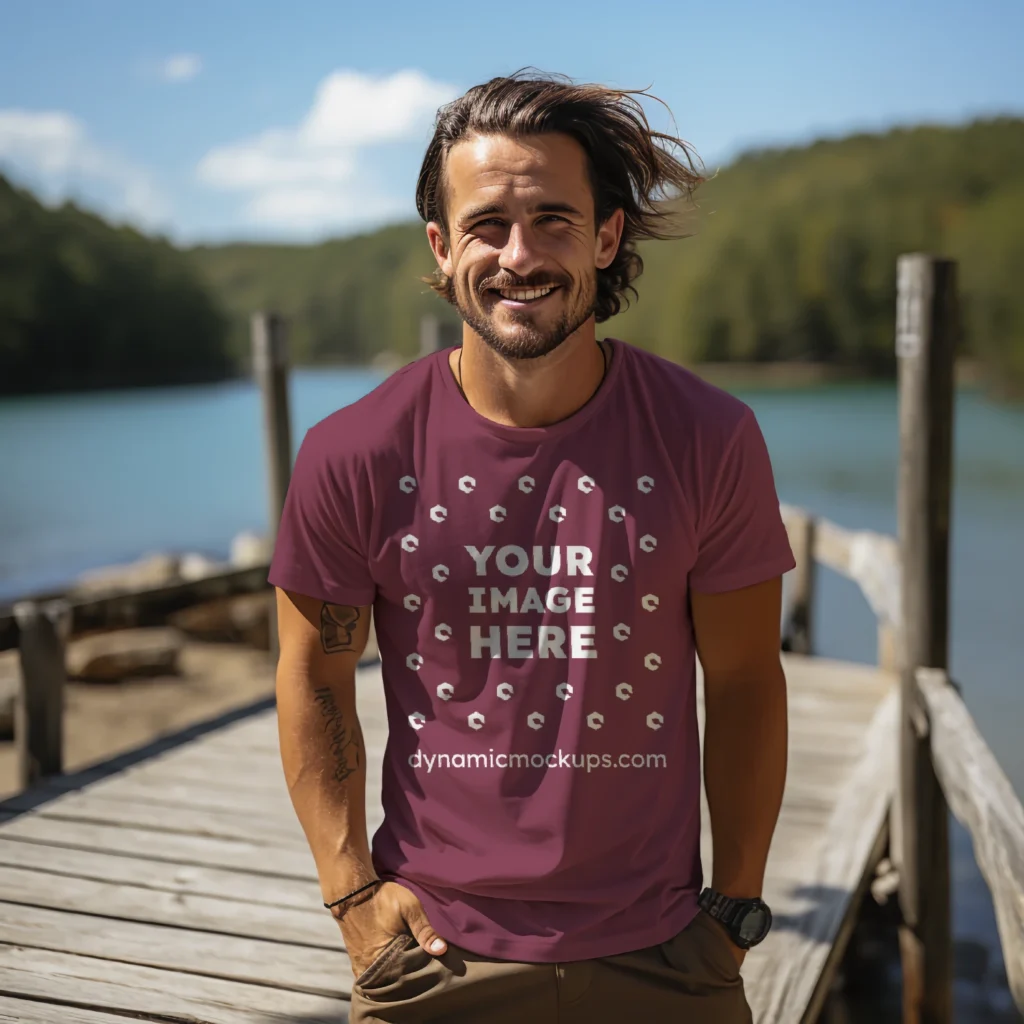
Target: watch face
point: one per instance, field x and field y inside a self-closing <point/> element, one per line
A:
<point x="755" y="924"/>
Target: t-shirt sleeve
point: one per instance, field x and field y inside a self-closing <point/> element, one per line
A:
<point x="742" y="539"/>
<point x="317" y="551"/>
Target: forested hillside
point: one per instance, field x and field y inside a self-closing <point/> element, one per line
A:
<point x="346" y="299"/>
<point x="795" y="256"/>
<point x="792" y="259"/>
<point x="85" y="305"/>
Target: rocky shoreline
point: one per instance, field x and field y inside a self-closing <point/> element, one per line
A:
<point x="113" y="656"/>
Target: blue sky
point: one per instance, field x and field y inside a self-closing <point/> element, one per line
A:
<point x="221" y="119"/>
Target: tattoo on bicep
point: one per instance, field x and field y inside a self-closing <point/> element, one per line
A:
<point x="338" y="627"/>
<point x="342" y="740"/>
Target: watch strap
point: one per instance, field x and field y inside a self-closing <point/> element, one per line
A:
<point x="725" y="909"/>
<point x="731" y="912"/>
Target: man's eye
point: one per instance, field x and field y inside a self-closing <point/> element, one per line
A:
<point x="552" y="216"/>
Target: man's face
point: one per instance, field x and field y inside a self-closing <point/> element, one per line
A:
<point x="523" y="248"/>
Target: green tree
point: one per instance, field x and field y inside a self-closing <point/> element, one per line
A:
<point x="85" y="305"/>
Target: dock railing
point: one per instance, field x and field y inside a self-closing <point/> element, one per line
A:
<point x="973" y="784"/>
<point x="41" y="628"/>
<point x="944" y="764"/>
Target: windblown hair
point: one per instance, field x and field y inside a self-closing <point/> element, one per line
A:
<point x="630" y="165"/>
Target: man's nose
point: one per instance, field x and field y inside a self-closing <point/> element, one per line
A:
<point x="520" y="255"/>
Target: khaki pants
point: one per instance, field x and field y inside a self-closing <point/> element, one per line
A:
<point x="691" y="977"/>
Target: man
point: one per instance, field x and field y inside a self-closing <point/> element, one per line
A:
<point x="546" y="528"/>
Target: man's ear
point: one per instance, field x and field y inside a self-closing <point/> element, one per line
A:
<point x="609" y="235"/>
<point x="437" y="237"/>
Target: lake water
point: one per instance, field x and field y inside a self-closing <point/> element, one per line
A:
<point x="87" y="480"/>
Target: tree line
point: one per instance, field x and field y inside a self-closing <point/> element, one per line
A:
<point x="84" y="304"/>
<point x="794" y="255"/>
<point x="791" y="257"/>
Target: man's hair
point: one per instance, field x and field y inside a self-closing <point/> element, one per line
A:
<point x="630" y="165"/>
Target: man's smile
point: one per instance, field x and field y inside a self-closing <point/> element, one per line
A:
<point x="519" y="298"/>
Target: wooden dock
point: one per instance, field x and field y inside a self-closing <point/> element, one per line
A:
<point x="174" y="884"/>
<point x="180" y="887"/>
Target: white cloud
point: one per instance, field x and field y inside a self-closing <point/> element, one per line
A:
<point x="181" y="67"/>
<point x="351" y="109"/>
<point x="310" y="208"/>
<point x="54" y="149"/>
<point x="271" y="160"/>
<point x="309" y="174"/>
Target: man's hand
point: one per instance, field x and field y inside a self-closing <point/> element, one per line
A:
<point x="392" y="910"/>
<point x="737" y="951"/>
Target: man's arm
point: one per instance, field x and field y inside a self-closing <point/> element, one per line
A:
<point x="324" y="760"/>
<point x="322" y="746"/>
<point x="745" y="728"/>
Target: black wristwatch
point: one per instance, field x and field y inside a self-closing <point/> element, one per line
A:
<point x="746" y="921"/>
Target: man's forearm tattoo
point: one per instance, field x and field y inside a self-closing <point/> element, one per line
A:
<point x="338" y="627"/>
<point x="340" y="738"/>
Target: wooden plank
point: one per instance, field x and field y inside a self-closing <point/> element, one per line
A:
<point x="207" y="762"/>
<point x="826" y="778"/>
<point x="153" y="606"/>
<point x="256" y="961"/>
<point x="807" y="797"/>
<point x="158" y="792"/>
<point x="853" y="700"/>
<point x="149" y="607"/>
<point x="847" y="926"/>
<point x="798" y="953"/>
<point x="850" y="707"/>
<point x="253" y="744"/>
<point x="824" y="677"/>
<point x="168" y="876"/>
<point x="137" y="758"/>
<point x="163" y="846"/>
<point x="153" y="775"/>
<point x="984" y="802"/>
<point x="868" y="558"/>
<point x="267" y="823"/>
<point x="266" y="829"/>
<point x="195" y="768"/>
<point x="22" y="1010"/>
<point x="260" y="729"/>
<point x="120" y="988"/>
<point x="831" y="760"/>
<point x="312" y="927"/>
<point x="252" y="783"/>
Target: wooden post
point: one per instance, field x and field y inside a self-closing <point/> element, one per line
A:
<point x="270" y="365"/>
<point x="926" y="334"/>
<point x="888" y="647"/>
<point x="436" y="334"/>
<point x="430" y="334"/>
<point x="800" y="627"/>
<point x="39" y="709"/>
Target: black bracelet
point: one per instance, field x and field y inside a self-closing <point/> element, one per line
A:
<point x="363" y="888"/>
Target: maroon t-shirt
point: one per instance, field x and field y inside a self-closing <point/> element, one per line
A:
<point x="541" y="784"/>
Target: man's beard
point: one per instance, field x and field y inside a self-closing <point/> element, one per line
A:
<point x="528" y="340"/>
